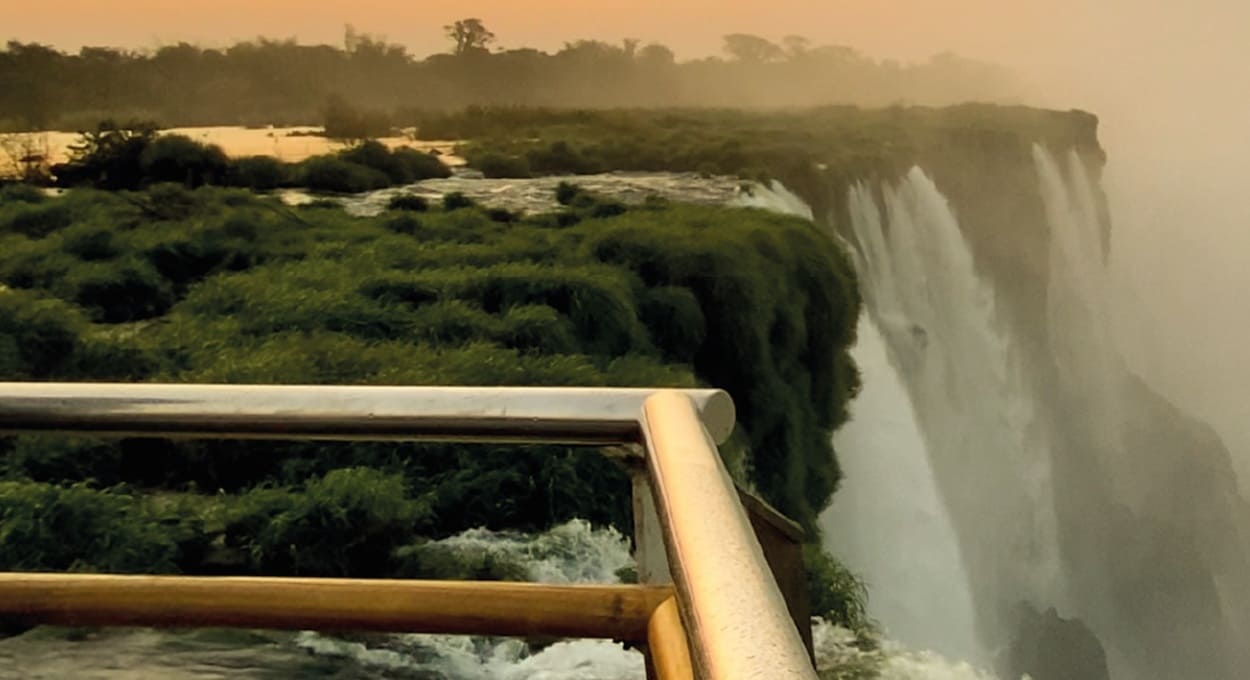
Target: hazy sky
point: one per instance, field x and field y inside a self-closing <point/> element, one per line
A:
<point x="1171" y="81"/>
<point x="896" y="27"/>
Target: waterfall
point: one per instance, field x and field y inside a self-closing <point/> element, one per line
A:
<point x="1085" y="508"/>
<point x="888" y="522"/>
<point x="989" y="457"/>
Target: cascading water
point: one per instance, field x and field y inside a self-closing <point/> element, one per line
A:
<point x="989" y="460"/>
<point x="888" y="522"/>
<point x="1074" y="489"/>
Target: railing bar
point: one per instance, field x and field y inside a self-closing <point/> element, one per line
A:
<point x="618" y="612"/>
<point x="735" y="615"/>
<point x="566" y="415"/>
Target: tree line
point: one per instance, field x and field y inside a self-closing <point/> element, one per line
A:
<point x="266" y="81"/>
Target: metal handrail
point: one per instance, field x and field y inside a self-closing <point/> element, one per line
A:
<point x="555" y="415"/>
<point x="735" y="620"/>
<point x="734" y="612"/>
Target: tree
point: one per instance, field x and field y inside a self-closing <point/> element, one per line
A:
<point x="751" y="48"/>
<point x="796" y="45"/>
<point x="656" y="55"/>
<point x="470" y="35"/>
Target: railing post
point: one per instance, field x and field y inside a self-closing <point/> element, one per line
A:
<point x="652" y="563"/>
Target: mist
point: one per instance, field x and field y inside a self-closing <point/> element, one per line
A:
<point x="1172" y="90"/>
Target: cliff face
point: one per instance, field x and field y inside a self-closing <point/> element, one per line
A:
<point x="1149" y="526"/>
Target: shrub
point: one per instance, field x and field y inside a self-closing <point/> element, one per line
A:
<point x="110" y="157"/>
<point x="91" y="242"/>
<point x="537" y="328"/>
<point x="177" y="158"/>
<point x="171" y="201"/>
<point x="501" y="215"/>
<point x="495" y="165"/>
<point x="834" y="592"/>
<point x="21" y="193"/>
<point x="259" y="173"/>
<point x="675" y="321"/>
<point x="53" y="458"/>
<point x="403" y="224"/>
<point x="39" y="219"/>
<point x="76" y="528"/>
<point x="374" y="154"/>
<point x="38" y="336"/>
<point x="120" y="291"/>
<point x="409" y="202"/>
<point x="347" y="523"/>
<point x="331" y="174"/>
<point x="421" y="165"/>
<point x="456" y="201"/>
<point x="561" y="158"/>
<point x="566" y="192"/>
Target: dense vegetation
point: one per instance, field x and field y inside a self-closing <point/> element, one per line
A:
<point x="811" y="150"/>
<point x="276" y="82"/>
<point x="132" y="156"/>
<point x="221" y="285"/>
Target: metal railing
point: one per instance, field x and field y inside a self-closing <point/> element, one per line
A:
<point x="724" y="618"/>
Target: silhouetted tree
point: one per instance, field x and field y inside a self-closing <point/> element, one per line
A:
<point x="470" y="35"/>
<point x="751" y="48"/>
<point x="656" y="54"/>
<point x="796" y="45"/>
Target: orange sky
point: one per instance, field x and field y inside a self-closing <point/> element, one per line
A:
<point x="900" y="28"/>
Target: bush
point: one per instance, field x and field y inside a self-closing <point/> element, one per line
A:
<point x="347" y="523"/>
<point x="494" y="165"/>
<point x="675" y="320"/>
<point x="259" y="173"/>
<point x="21" y="193"/>
<point x="374" y="154"/>
<point x="404" y="224"/>
<point x="834" y="592"/>
<point x="566" y="192"/>
<point x="335" y="175"/>
<point x="501" y="215"/>
<point x="457" y="201"/>
<point x="421" y="165"/>
<point x="409" y="202"/>
<point x="110" y="157"/>
<point x="39" y="219"/>
<point x="116" y="292"/>
<point x="76" y="528"/>
<point x="180" y="159"/>
<point x="38" y="336"/>
<point x="54" y="458"/>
